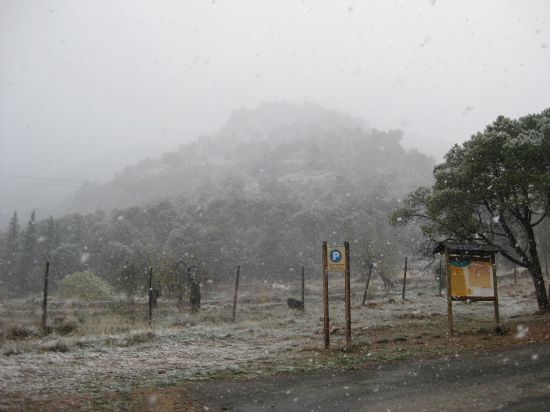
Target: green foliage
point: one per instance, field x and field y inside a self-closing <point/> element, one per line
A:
<point x="494" y="189"/>
<point x="84" y="286"/>
<point x="262" y="193"/>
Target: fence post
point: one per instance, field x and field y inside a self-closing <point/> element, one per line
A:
<point x="45" y="301"/>
<point x="303" y="289"/>
<point x="236" y="291"/>
<point x="404" y="278"/>
<point x="150" y="296"/>
<point x="440" y="276"/>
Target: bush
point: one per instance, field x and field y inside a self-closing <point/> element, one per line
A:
<point x="64" y="326"/>
<point x="16" y="332"/>
<point x="85" y="286"/>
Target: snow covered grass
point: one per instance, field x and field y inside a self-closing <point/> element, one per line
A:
<point x="108" y="351"/>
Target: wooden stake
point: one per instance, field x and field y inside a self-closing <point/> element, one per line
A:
<point x="347" y="287"/>
<point x="515" y="275"/>
<point x="498" y="328"/>
<point x="449" y="294"/>
<point x="440" y="276"/>
<point x="404" y="278"/>
<point x="236" y="291"/>
<point x="45" y="300"/>
<point x="369" y="274"/>
<point x="150" y="296"/>
<point x="303" y="290"/>
<point x="325" y="297"/>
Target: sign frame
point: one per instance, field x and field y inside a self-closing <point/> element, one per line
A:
<point x="454" y="251"/>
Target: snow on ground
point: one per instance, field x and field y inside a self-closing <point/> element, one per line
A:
<point x="267" y="336"/>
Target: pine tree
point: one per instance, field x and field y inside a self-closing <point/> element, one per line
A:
<point x="28" y="258"/>
<point x="10" y="256"/>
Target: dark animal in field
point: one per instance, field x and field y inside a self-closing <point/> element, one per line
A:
<point x="154" y="294"/>
<point x="295" y="304"/>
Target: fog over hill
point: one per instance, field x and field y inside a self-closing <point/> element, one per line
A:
<point x="262" y="192"/>
<point x="307" y="151"/>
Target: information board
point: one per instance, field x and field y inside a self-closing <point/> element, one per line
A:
<point x="471" y="278"/>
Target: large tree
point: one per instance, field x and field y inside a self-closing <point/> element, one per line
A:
<point x="493" y="189"/>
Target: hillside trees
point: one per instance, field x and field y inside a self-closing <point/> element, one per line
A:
<point x="493" y="189"/>
<point x="9" y="257"/>
<point x="263" y="193"/>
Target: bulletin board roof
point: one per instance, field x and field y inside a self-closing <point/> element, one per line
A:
<point x="472" y="249"/>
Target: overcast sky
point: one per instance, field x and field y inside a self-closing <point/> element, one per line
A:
<point x="87" y="87"/>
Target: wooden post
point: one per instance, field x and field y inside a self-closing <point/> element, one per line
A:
<point x="449" y="294"/>
<point x="45" y="300"/>
<point x="325" y="296"/>
<point x="347" y="287"/>
<point x="367" y="284"/>
<point x="440" y="276"/>
<point x="404" y="278"/>
<point x="498" y="328"/>
<point x="150" y="296"/>
<point x="236" y="291"/>
<point x="546" y="265"/>
<point x="303" y="290"/>
<point x="515" y="275"/>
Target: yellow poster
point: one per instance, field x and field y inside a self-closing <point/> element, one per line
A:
<point x="471" y="278"/>
<point x="458" y="281"/>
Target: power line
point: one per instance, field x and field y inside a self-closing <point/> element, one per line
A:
<point x="41" y="180"/>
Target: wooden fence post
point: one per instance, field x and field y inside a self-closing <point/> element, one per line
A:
<point x="404" y="278"/>
<point x="440" y="276"/>
<point x="236" y="291"/>
<point x="303" y="289"/>
<point x="45" y="300"/>
<point x="150" y="296"/>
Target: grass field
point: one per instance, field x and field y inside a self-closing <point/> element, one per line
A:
<point x="103" y="352"/>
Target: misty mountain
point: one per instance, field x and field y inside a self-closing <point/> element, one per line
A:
<point x="303" y="151"/>
<point x="262" y="192"/>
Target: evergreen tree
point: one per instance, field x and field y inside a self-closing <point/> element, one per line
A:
<point x="28" y="258"/>
<point x="9" y="256"/>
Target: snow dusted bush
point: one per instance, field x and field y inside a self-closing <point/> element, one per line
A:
<point x="85" y="286"/>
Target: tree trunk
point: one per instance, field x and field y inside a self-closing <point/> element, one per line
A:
<point x="536" y="270"/>
<point x="540" y="289"/>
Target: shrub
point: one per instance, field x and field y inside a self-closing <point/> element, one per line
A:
<point x="85" y="286"/>
<point x="16" y="332"/>
<point x="64" y="326"/>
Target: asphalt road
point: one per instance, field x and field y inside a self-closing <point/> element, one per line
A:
<point x="512" y="380"/>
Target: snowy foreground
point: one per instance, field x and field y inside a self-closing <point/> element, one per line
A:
<point x="104" y="355"/>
